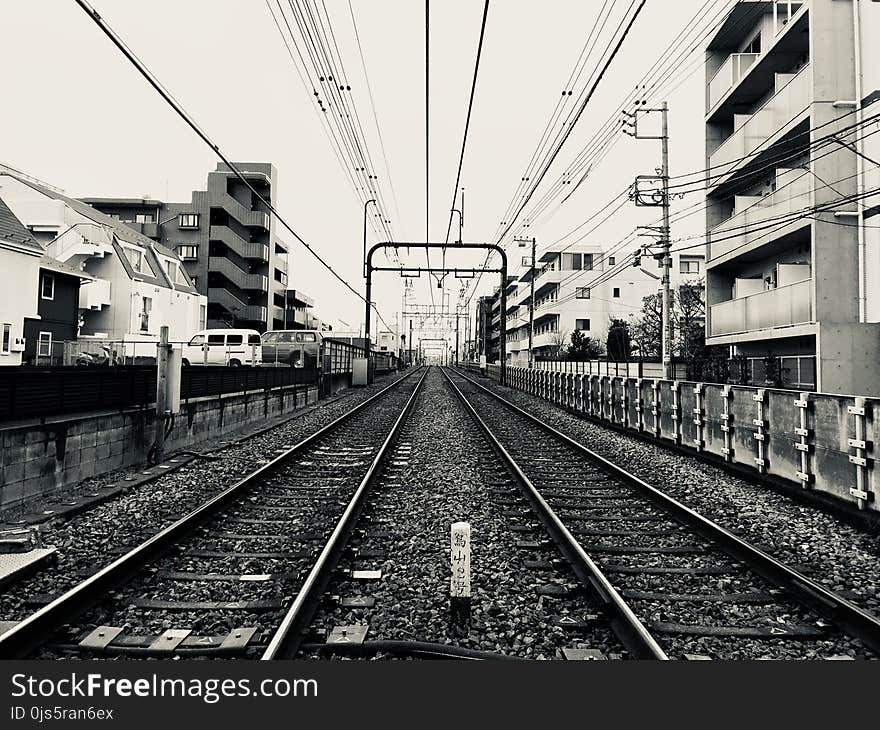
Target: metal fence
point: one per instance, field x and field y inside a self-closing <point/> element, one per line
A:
<point x="631" y="369"/>
<point x="31" y="392"/>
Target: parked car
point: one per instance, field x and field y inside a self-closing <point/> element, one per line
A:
<point x="223" y="347"/>
<point x="297" y="348"/>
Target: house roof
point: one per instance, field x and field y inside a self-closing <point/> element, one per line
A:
<point x="13" y="232"/>
<point x="121" y="233"/>
<point x="59" y="267"/>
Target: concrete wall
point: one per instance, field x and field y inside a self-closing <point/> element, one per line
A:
<point x="40" y="459"/>
<point x="698" y="421"/>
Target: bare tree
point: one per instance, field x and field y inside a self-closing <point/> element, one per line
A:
<point x="558" y="340"/>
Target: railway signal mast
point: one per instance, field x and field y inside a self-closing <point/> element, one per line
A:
<point x="653" y="191"/>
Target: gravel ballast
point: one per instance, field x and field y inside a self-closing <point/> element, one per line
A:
<point x="445" y="472"/>
<point x="92" y="539"/>
<point x="833" y="553"/>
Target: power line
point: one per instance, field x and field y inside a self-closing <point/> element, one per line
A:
<point x="571" y="125"/>
<point x="467" y="122"/>
<point x="160" y="89"/>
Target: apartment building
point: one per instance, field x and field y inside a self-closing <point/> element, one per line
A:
<point x="132" y="285"/>
<point x="226" y="238"/>
<point x="793" y="246"/>
<point x="581" y="288"/>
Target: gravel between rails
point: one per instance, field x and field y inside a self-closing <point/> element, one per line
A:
<point x="451" y="474"/>
<point x="92" y="539"/>
<point x="831" y="552"/>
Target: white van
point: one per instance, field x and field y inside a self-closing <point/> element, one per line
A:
<point x="224" y="347"/>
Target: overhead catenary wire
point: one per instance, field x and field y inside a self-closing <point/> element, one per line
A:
<point x="470" y="108"/>
<point x="333" y="124"/>
<point x="191" y="123"/>
<point x="612" y="50"/>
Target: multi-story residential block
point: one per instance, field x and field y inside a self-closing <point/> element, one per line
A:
<point x="20" y="256"/>
<point x="226" y="238"/>
<point x="580" y="288"/>
<point x="793" y="250"/>
<point x="135" y="284"/>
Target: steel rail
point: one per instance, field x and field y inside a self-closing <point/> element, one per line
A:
<point x="629" y="628"/>
<point x="290" y="634"/>
<point x="846" y="615"/>
<point x="34" y="631"/>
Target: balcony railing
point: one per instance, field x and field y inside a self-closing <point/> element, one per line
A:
<point x="780" y="307"/>
<point x="95" y="294"/>
<point x="241" y="279"/>
<point x="243" y="215"/>
<point x="729" y="75"/>
<point x="757" y="221"/>
<point x="788" y="102"/>
<point x="245" y="249"/>
<point x="81" y="240"/>
<point x="239" y="309"/>
<point x="548" y="339"/>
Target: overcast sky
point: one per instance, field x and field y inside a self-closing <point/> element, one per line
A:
<point x="77" y="115"/>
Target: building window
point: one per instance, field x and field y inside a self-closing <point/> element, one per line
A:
<point x="526" y="261"/>
<point x="188" y="220"/>
<point x="582" y="292"/>
<point x="135" y="258"/>
<point x="689" y="266"/>
<point x="582" y="324"/>
<point x="147" y="306"/>
<point x="143" y="218"/>
<point x="47" y="287"/>
<point x="615" y="292"/>
<point x="44" y="344"/>
<point x="612" y="261"/>
<point x="203" y="316"/>
<point x="188" y="253"/>
<point x="171" y="268"/>
<point x="572" y="261"/>
<point x="7" y="336"/>
<point x="754" y="46"/>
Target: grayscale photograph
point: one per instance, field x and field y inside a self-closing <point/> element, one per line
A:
<point x="362" y="332"/>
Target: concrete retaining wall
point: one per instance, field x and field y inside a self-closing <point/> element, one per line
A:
<point x="817" y="441"/>
<point x="40" y="458"/>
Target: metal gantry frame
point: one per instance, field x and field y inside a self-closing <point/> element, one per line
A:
<point x="369" y="269"/>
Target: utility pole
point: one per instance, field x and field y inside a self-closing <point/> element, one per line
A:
<point x="523" y="242"/>
<point x="666" y="244"/>
<point x="456" y="337"/>
<point x="650" y="196"/>
<point x="409" y="343"/>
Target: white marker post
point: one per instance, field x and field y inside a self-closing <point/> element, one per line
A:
<point x="460" y="582"/>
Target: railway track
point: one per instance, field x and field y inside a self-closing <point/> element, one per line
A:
<point x="241" y="574"/>
<point x="445" y="470"/>
<point x="677" y="584"/>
